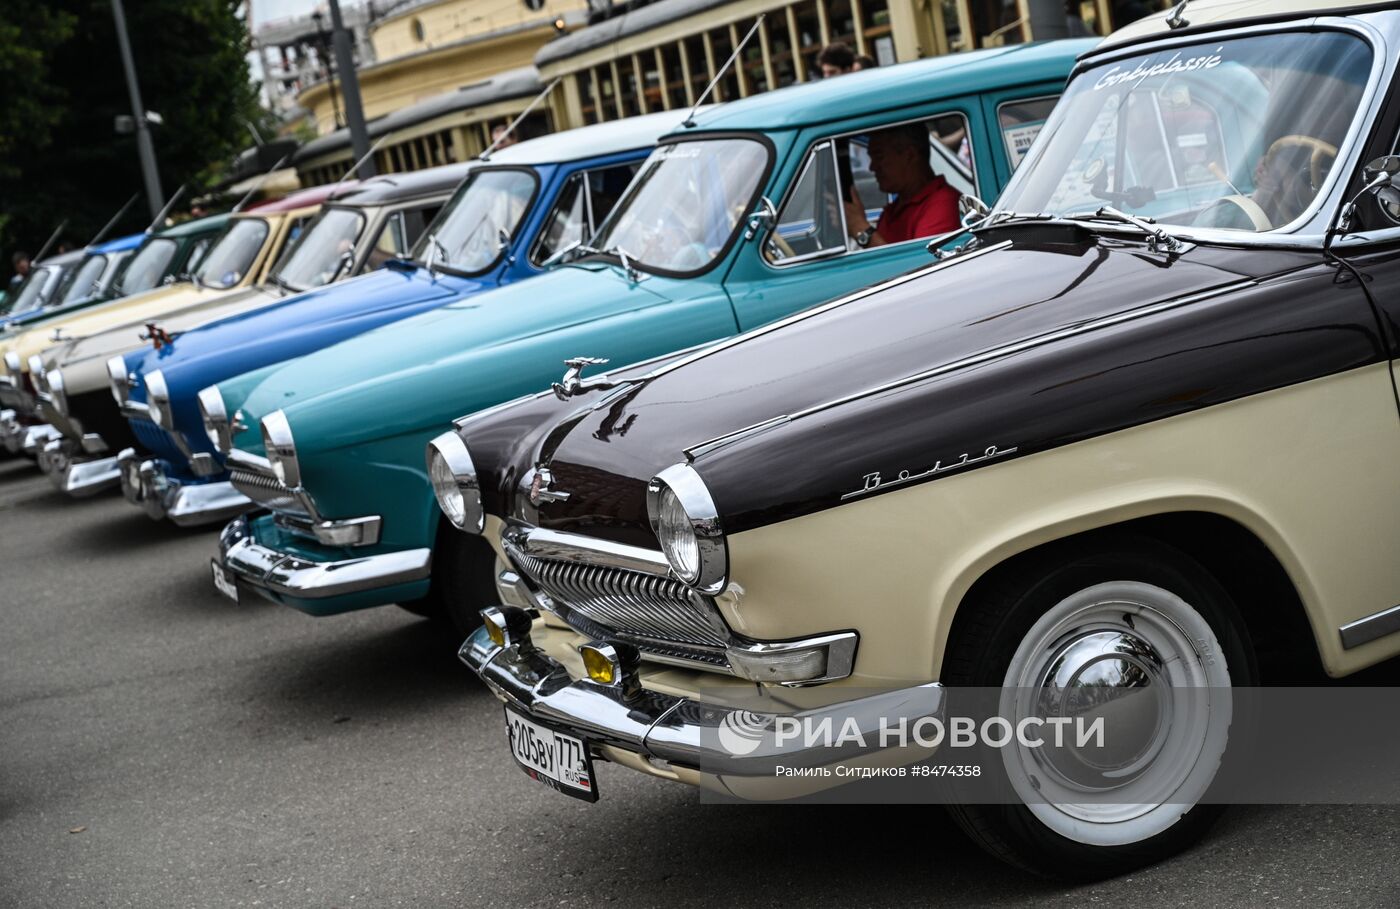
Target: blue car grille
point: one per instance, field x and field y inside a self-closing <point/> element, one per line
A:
<point x="158" y="442"/>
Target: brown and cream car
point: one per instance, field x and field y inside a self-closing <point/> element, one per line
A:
<point x="1141" y="430"/>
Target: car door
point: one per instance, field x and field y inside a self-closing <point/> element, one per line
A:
<point x="808" y="255"/>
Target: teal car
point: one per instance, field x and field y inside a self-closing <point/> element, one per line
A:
<point x="736" y="219"/>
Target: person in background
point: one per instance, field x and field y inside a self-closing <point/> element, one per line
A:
<point x="498" y="135"/>
<point x="836" y="59"/>
<point x="924" y="203"/>
<point x="863" y="61"/>
<point x="19" y="262"/>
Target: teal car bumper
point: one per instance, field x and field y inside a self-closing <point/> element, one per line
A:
<point x="257" y="555"/>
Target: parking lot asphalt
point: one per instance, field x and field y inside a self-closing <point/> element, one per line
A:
<point x="163" y="746"/>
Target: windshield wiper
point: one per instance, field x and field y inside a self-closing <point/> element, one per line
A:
<point x="434" y="247"/>
<point x="281" y="284"/>
<point x="632" y="274"/>
<point x="1157" y="237"/>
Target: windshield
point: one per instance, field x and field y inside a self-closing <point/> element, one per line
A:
<point x="34" y="291"/>
<point x="147" y="267"/>
<point x="1235" y="135"/>
<point x="685" y="204"/>
<point x="316" y="258"/>
<point x="82" y="282"/>
<point x="491" y="204"/>
<point x="229" y="259"/>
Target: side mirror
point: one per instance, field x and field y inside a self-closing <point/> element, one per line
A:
<point x="1382" y="177"/>
<point x="972" y="210"/>
<point x="762" y="218"/>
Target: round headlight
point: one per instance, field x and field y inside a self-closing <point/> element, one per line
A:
<point x="158" y="401"/>
<point x="215" y="418"/>
<point x="12" y="362"/>
<point x="36" y="369"/>
<point x="686" y="523"/>
<point x="281" y="449"/>
<point x="117" y="379"/>
<point x="57" y="393"/>
<point x="453" y="476"/>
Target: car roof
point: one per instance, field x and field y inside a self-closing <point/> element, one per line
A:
<point x="1216" y="13"/>
<point x="409" y="185"/>
<point x="121" y="244"/>
<point x="195" y="226"/>
<point x="302" y="198"/>
<point x="592" y="141"/>
<point x="887" y="87"/>
<point x="65" y="258"/>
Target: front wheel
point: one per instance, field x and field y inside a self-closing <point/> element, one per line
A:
<point x="464" y="583"/>
<point x="1126" y="624"/>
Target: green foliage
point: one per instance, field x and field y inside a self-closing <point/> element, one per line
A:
<point x="60" y="66"/>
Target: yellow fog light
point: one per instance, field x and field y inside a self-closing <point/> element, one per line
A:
<point x="612" y="664"/>
<point x="508" y="626"/>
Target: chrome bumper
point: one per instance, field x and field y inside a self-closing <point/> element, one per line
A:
<point x="147" y="483"/>
<point x="34" y="438"/>
<point x="278" y="573"/>
<point x="81" y="479"/>
<point x="669" y="730"/>
<point x="10" y="431"/>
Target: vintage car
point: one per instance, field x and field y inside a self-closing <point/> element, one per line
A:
<point x="40" y="287"/>
<point x="1140" y="433"/>
<point x="93" y="277"/>
<point x="551" y="192"/>
<point x="733" y="221"/>
<point x="359" y="228"/>
<point x="241" y="257"/>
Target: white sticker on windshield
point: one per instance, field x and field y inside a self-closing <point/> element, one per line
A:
<point x="1141" y="72"/>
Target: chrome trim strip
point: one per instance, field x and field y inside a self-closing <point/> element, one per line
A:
<point x="134" y="410"/>
<point x="279" y="574"/>
<point x="573" y="547"/>
<point x="1371" y="628"/>
<point x="250" y="462"/>
<point x="205" y="503"/>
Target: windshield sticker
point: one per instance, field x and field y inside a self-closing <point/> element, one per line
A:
<point x="1019" y="139"/>
<point x="1142" y="72"/>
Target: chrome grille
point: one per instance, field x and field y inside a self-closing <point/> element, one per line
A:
<point x="660" y="615"/>
<point x="266" y="491"/>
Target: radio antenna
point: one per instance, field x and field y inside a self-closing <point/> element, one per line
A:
<point x="261" y="180"/>
<point x="486" y="155"/>
<point x="53" y="238"/>
<point x="160" y="218"/>
<point x="689" y="120"/>
<point x="115" y="218"/>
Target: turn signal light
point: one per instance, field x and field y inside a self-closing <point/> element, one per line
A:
<point x="612" y="664"/>
<point x="508" y="626"/>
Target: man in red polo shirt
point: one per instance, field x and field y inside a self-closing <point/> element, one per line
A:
<point x="924" y="203"/>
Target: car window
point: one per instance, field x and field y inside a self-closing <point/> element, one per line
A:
<point x="686" y="204"/>
<point x="585" y="200"/>
<point x="82" y="281"/>
<point x="148" y="266"/>
<point x="468" y="234"/>
<point x="813" y="221"/>
<point x="1020" y="123"/>
<point x="1232" y="134"/>
<point x="229" y="259"/>
<point x="392" y="242"/>
<point x="318" y="256"/>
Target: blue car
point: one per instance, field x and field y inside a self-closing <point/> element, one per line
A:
<point x="524" y="207"/>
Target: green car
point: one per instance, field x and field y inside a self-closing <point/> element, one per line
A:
<point x="736" y="219"/>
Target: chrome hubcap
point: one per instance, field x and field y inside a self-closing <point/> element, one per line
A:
<point x="1148" y="667"/>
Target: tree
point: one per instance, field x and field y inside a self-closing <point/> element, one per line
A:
<point x="60" y="156"/>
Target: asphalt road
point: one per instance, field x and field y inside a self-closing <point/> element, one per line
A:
<point x="161" y="746"/>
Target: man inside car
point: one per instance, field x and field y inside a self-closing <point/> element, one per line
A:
<point x="924" y="204"/>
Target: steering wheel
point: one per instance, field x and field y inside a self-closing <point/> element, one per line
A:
<point x="1320" y="156"/>
<point x="1320" y="153"/>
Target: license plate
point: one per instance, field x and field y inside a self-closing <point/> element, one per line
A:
<point x="557" y="760"/>
<point x="223" y="582"/>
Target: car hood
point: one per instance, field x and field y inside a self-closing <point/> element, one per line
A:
<point x="423" y="371"/>
<point x="84" y="361"/>
<point x="290" y="326"/>
<point x="936" y="318"/>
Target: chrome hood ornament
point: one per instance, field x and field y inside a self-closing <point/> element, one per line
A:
<point x="573" y="382"/>
<point x="539" y="487"/>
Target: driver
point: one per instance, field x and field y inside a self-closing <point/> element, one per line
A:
<point x="924" y="203"/>
<point x="1283" y="187"/>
